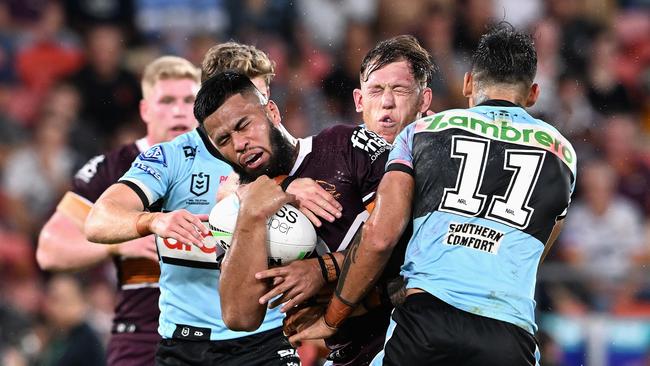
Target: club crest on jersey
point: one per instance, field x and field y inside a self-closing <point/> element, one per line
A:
<point x="200" y="184"/>
<point x="369" y="142"/>
<point x="189" y="151"/>
<point x="155" y="154"/>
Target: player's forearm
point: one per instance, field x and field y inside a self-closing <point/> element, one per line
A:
<point x="238" y="287"/>
<point x="366" y="259"/>
<point x="63" y="247"/>
<point x="110" y="223"/>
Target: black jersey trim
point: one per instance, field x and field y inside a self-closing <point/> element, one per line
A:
<point x="138" y="191"/>
<point x="188" y="263"/>
<point x="397" y="167"/>
<point x="498" y="103"/>
<point x="208" y="143"/>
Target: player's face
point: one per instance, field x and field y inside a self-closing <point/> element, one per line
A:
<point x="167" y="110"/>
<point x="243" y="130"/>
<point x="390" y="99"/>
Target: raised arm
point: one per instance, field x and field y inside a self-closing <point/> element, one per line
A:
<point x="366" y="259"/>
<point x="248" y="254"/>
<point x="118" y="216"/>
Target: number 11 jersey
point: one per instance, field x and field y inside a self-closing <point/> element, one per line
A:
<point x="490" y="184"/>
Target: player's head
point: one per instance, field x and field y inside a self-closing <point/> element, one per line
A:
<point x="242" y="58"/>
<point x="242" y="124"/>
<point x="503" y="65"/>
<point x="394" y="80"/>
<point x="169" y="87"/>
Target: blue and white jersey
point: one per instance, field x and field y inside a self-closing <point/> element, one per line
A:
<point x="490" y="184"/>
<point x="185" y="174"/>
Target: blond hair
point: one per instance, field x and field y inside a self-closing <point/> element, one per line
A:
<point x="168" y="67"/>
<point x="242" y="58"/>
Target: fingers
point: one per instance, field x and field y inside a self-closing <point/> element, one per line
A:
<point x="314" y="220"/>
<point x="293" y="302"/>
<point x="203" y="217"/>
<point x="314" y="331"/>
<point x="275" y="291"/>
<point x="270" y="273"/>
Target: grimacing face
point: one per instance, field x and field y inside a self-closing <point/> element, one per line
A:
<point x="167" y="109"/>
<point x="390" y="99"/>
<point x="244" y="131"/>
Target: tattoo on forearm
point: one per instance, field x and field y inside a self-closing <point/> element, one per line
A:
<point x="350" y="257"/>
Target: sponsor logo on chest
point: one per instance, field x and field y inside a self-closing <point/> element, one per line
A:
<point x="474" y="236"/>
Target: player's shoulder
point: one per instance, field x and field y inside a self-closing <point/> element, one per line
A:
<point x="119" y="158"/>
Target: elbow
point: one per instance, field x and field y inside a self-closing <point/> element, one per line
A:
<point x="377" y="241"/>
<point x="92" y="230"/>
<point x="44" y="260"/>
<point x="240" y="322"/>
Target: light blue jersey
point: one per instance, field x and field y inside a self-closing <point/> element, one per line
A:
<point x="185" y="174"/>
<point x="490" y="183"/>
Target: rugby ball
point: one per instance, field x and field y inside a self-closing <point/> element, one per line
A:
<point x="290" y="235"/>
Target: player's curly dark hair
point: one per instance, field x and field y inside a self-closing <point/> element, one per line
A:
<point x="505" y="56"/>
<point x="404" y="47"/>
<point x="217" y="89"/>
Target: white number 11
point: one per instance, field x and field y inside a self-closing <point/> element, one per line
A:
<point x="511" y="208"/>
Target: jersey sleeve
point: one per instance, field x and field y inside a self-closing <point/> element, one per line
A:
<point x="92" y="179"/>
<point x="151" y="173"/>
<point x="369" y="153"/>
<point x="401" y="156"/>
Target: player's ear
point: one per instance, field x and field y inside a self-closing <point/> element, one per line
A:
<point x="427" y="96"/>
<point x="356" y="94"/>
<point x="144" y="110"/>
<point x="273" y="112"/>
<point x="467" y="84"/>
<point x="533" y="94"/>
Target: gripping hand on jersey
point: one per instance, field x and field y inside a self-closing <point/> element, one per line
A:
<point x="296" y="282"/>
<point x="180" y="225"/>
<point x="314" y="201"/>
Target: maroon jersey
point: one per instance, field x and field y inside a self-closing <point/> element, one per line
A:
<point x="136" y="312"/>
<point x="348" y="161"/>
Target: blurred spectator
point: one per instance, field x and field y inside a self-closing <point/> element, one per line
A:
<point x="84" y="14"/>
<point x="7" y="45"/>
<point x="110" y="93"/>
<point x="606" y="93"/>
<point x="72" y="341"/>
<point x="473" y="18"/>
<point x="327" y="21"/>
<point x="341" y="81"/>
<point x="620" y="142"/>
<point x="603" y="234"/>
<point x="437" y="32"/>
<point x="577" y="33"/>
<point x="37" y="174"/>
<point x="48" y="52"/>
<point x="251" y="20"/>
<point x="170" y="23"/>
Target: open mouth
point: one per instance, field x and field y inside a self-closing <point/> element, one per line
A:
<point x="387" y="121"/>
<point x="179" y="129"/>
<point x="252" y="160"/>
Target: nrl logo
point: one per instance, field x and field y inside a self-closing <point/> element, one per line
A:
<point x="200" y="184"/>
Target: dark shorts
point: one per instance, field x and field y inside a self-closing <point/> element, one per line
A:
<point x="359" y="339"/>
<point x="132" y="349"/>
<point x="267" y="348"/>
<point x="428" y="331"/>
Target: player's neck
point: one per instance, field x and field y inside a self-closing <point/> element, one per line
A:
<point x="507" y="94"/>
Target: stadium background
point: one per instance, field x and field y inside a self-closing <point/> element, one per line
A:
<point x="69" y="88"/>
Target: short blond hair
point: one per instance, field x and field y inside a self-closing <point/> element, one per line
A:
<point x="242" y="58"/>
<point x="168" y="67"/>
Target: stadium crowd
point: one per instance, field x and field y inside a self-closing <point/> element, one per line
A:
<point x="69" y="89"/>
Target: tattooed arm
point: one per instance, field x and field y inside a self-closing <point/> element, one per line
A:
<point x="366" y="259"/>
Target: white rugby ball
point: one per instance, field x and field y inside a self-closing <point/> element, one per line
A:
<point x="290" y="236"/>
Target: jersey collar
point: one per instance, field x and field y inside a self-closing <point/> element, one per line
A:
<point x="498" y="103"/>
